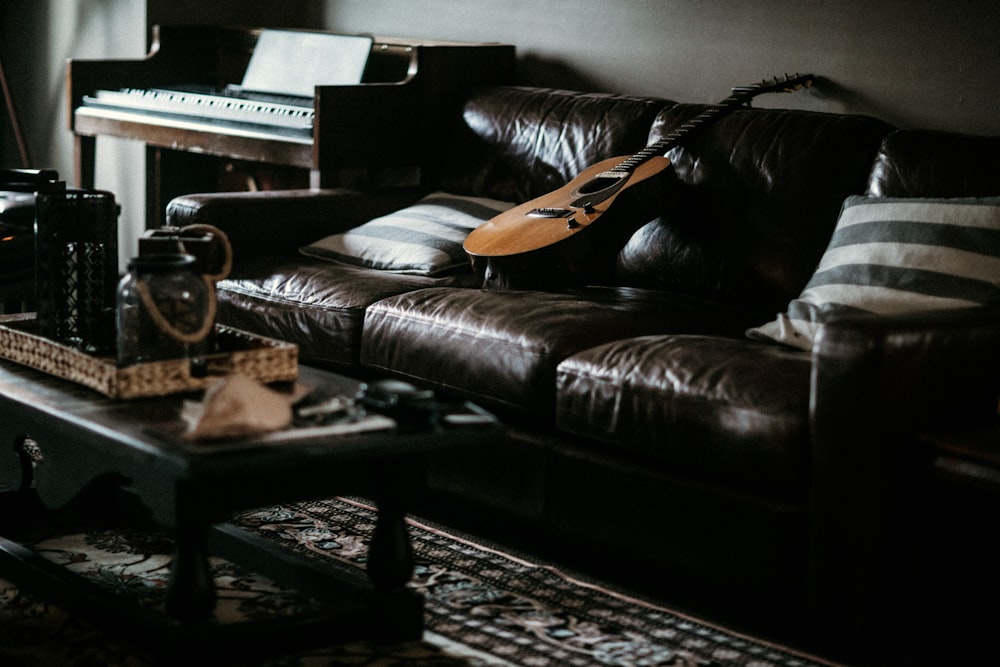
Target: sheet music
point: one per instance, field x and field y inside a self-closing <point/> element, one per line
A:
<point x="293" y="62"/>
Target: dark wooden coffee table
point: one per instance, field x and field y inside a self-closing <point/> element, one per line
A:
<point x="133" y="451"/>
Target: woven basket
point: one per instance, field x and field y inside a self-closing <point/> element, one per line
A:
<point x="264" y="359"/>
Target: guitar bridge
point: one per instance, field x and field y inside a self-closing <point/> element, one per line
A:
<point x="550" y="213"/>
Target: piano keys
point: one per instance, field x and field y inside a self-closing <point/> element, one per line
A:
<point x="229" y="105"/>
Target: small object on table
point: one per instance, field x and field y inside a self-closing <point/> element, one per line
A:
<point x="235" y="407"/>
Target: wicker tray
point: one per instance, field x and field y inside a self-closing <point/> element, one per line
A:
<point x="263" y="359"/>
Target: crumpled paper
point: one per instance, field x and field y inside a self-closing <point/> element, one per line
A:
<point x="236" y="406"/>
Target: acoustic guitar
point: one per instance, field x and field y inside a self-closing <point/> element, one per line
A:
<point x="551" y="239"/>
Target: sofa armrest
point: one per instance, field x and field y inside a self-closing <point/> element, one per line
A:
<point x="279" y="222"/>
<point x="921" y="371"/>
<point x="877" y="383"/>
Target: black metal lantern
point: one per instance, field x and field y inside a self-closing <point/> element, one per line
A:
<point x="76" y="264"/>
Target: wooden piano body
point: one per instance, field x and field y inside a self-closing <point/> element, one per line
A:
<point x="389" y="120"/>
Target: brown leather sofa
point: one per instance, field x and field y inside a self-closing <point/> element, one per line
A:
<point x="646" y="428"/>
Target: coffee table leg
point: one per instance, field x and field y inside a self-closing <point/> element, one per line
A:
<point x="390" y="554"/>
<point x="191" y="594"/>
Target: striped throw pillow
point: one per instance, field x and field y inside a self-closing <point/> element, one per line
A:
<point x="423" y="239"/>
<point x="890" y="256"/>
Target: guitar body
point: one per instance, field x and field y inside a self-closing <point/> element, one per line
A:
<point x="572" y="234"/>
<point x="555" y="239"/>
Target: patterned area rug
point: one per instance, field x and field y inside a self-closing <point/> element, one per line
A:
<point x="483" y="607"/>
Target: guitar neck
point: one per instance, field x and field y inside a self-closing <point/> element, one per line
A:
<point x="741" y="95"/>
<point x="698" y="122"/>
<point x="685" y="130"/>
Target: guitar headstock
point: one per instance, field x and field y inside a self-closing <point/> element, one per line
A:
<point x="787" y="84"/>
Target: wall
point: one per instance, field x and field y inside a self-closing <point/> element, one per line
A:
<point x="284" y="14"/>
<point x="920" y="63"/>
<point x="37" y="37"/>
<point x="916" y="63"/>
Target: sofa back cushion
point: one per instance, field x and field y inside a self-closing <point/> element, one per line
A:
<point x="759" y="193"/>
<point x="518" y="143"/>
<point x="927" y="163"/>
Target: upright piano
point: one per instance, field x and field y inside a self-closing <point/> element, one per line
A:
<point x="409" y="92"/>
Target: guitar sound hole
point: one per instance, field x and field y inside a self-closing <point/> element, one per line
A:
<point x="598" y="184"/>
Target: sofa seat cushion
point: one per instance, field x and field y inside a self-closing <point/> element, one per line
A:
<point x="316" y="304"/>
<point x="734" y="409"/>
<point x="502" y="348"/>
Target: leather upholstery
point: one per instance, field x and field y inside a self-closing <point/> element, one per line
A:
<point x="515" y="144"/>
<point x="512" y="143"/>
<point x="730" y="409"/>
<point x="762" y="191"/>
<point x="640" y="420"/>
<point x="877" y="381"/>
<point x="273" y="291"/>
<point x="320" y="305"/>
<point x="925" y="163"/>
<point x="502" y="348"/>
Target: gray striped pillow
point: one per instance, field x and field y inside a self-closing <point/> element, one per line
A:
<point x="890" y="256"/>
<point x="423" y="239"/>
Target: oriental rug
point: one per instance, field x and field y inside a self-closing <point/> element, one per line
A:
<point x="484" y="607"/>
